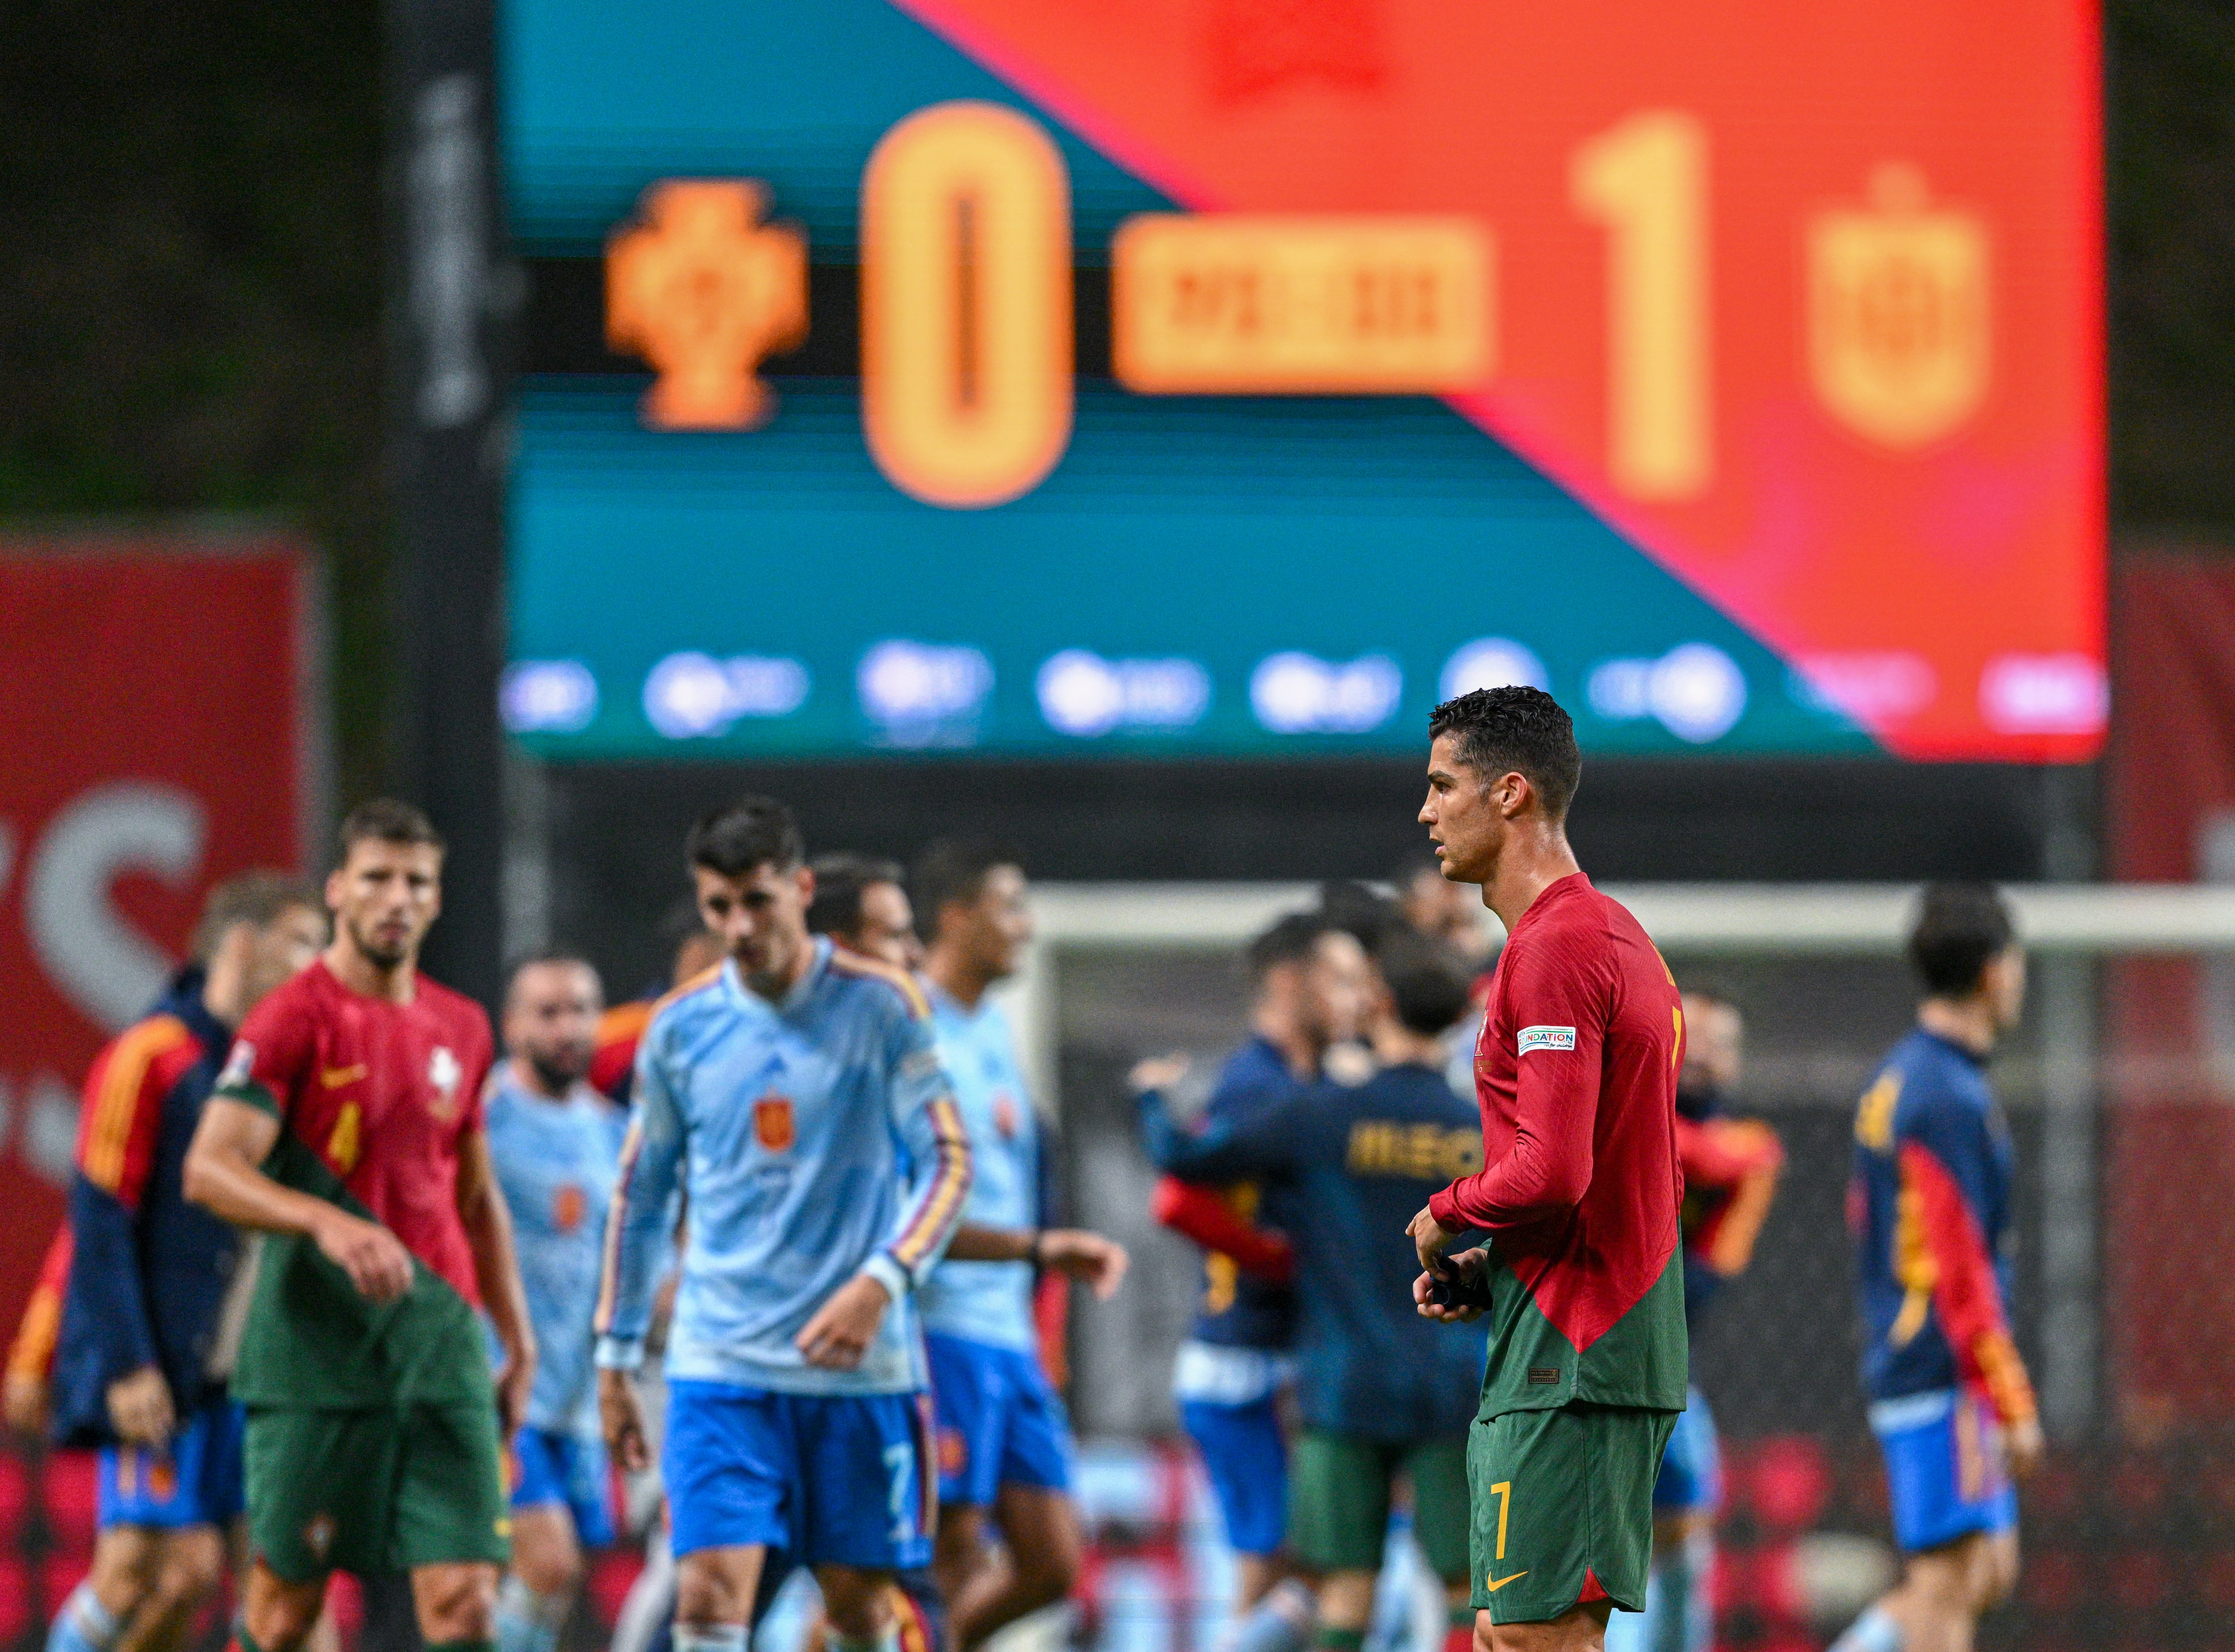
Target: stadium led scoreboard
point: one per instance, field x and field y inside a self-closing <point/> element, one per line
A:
<point x="1239" y="378"/>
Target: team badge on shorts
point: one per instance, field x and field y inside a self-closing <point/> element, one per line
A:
<point x="954" y="1452"/>
<point x="318" y="1534"/>
<point x="1005" y="1115"/>
<point x="237" y="1065"/>
<point x="773" y="1125"/>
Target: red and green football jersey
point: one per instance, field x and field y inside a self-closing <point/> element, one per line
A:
<point x="1576" y="1075"/>
<point x="374" y="1098"/>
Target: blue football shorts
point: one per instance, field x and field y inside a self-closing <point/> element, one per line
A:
<point x="196" y="1482"/>
<point x="549" y="1467"/>
<point x="1001" y="1422"/>
<point x="1691" y="1478"/>
<point x="1945" y="1473"/>
<point x="1246" y="1458"/>
<point x="841" y="1479"/>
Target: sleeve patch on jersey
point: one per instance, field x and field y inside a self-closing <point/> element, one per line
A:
<point x="237" y="1065"/>
<point x="1544" y="1037"/>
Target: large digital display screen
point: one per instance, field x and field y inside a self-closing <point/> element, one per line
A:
<point x="1242" y="377"/>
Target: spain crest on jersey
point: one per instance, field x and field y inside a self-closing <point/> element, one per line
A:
<point x="774" y="1126"/>
<point x="1900" y="320"/>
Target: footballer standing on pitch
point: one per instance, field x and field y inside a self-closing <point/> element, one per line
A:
<point x="347" y="1125"/>
<point x="1576" y="1076"/>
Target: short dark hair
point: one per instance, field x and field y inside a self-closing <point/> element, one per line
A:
<point x="542" y="957"/>
<point x="1959" y="927"/>
<point x="1287" y="940"/>
<point x="387" y="820"/>
<point x="839" y="880"/>
<point x="1428" y="988"/>
<point x="953" y="868"/>
<point x="258" y="897"/>
<point x="1515" y="730"/>
<point x="740" y="836"/>
<point x="1357" y="911"/>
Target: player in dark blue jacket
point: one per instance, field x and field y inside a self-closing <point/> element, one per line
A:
<point x="139" y="1363"/>
<point x="1308" y="980"/>
<point x="1929" y="1203"/>
<point x="1383" y="1390"/>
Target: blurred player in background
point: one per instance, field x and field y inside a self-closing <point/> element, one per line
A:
<point x="1730" y="1176"/>
<point x="347" y="1127"/>
<point x="1384" y="1392"/>
<point x="796" y="1099"/>
<point x="1576" y="1079"/>
<point x="556" y="1145"/>
<point x="1005" y="1445"/>
<point x="613" y="1064"/>
<point x="140" y="1362"/>
<point x="1951" y="1402"/>
<point x="862" y="902"/>
<point x="1308" y="984"/>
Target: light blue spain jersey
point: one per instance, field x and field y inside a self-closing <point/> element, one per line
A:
<point x="556" y="1162"/>
<point x="814" y="1140"/>
<point x="987" y="1302"/>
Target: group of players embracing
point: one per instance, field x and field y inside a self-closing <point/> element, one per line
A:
<point x="828" y="1199"/>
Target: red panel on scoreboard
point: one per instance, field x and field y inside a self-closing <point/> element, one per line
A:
<point x="1806" y="300"/>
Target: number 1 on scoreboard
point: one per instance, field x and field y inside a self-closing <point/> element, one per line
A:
<point x="1646" y="181"/>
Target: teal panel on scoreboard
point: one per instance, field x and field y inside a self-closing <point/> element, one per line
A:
<point x="599" y="101"/>
<point x="1215" y="576"/>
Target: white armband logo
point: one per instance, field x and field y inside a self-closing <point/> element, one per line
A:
<point x="1544" y="1037"/>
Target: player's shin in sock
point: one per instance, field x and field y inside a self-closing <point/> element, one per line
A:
<point x="461" y="1646"/>
<point x="714" y="1637"/>
<point x="1458" y="1632"/>
<point x="1281" y="1621"/>
<point x="528" y="1621"/>
<point x="887" y="1641"/>
<point x="1680" y="1605"/>
<point x="1328" y="1638"/>
<point x="83" y="1624"/>
<point x="1874" y="1631"/>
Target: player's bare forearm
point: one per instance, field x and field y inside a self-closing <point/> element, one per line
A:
<point x="1074" y="1251"/>
<point x="221" y="1175"/>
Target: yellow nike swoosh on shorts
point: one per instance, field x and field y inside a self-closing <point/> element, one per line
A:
<point x="335" y="1078"/>
<point x="1496" y="1583"/>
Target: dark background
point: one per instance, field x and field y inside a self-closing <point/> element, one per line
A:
<point x="191" y="322"/>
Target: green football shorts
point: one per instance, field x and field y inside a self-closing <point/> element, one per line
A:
<point x="1339" y="1495"/>
<point x="375" y="1491"/>
<point x="1560" y="1498"/>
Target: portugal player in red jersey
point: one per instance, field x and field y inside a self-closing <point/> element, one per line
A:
<point x="1582" y="1283"/>
<point x="347" y="1127"/>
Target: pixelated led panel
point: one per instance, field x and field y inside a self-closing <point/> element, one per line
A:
<point x="1766" y="341"/>
<point x="1249" y="304"/>
<point x="1804" y="300"/>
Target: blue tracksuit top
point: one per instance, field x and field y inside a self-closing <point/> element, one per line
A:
<point x="557" y="1162"/>
<point x="815" y="1139"/>
<point x="987" y="1302"/>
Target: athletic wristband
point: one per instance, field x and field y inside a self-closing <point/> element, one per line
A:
<point x="621" y="1352"/>
<point x="889" y="1274"/>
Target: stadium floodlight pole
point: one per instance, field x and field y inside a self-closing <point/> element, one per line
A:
<point x="452" y="300"/>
